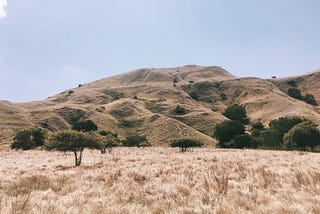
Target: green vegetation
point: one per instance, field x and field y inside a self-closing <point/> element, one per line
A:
<point x="223" y="96"/>
<point x="29" y="138"/>
<point x="295" y="93"/>
<point x="185" y="142"/>
<point x="194" y="95"/>
<point x="228" y="130"/>
<point x="309" y="98"/>
<point x="114" y="94"/>
<point x="179" y="110"/>
<point x="292" y="83"/>
<point x="110" y="140"/>
<point x="75" y="142"/>
<point x="135" y="140"/>
<point x="85" y="126"/>
<point x="154" y="107"/>
<point x="237" y="112"/>
<point x="303" y="136"/>
<point x="129" y="123"/>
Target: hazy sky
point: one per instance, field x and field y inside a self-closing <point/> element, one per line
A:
<point x="47" y="46"/>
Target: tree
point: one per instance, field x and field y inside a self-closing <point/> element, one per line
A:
<point x="282" y="125"/>
<point x="29" y="138"/>
<point x="227" y="130"/>
<point x="75" y="142"/>
<point x="257" y="129"/>
<point x="302" y="136"/>
<point x="110" y="140"/>
<point x="309" y="98"/>
<point x="84" y="126"/>
<point x="237" y="112"/>
<point x="243" y="141"/>
<point x="185" y="142"/>
<point x="136" y="140"/>
<point x="295" y="93"/>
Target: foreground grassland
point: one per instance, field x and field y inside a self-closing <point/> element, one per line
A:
<point x="160" y="180"/>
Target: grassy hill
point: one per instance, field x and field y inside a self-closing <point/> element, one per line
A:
<point x="144" y="100"/>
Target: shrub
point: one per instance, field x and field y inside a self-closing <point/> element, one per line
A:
<point x="302" y="136"/>
<point x="194" y="95"/>
<point x="185" y="142"/>
<point x="309" y="98"/>
<point x="243" y="141"/>
<point x="223" y="96"/>
<point x="258" y="126"/>
<point x="292" y="83"/>
<point x="110" y="140"/>
<point x="295" y="93"/>
<point x="226" y="131"/>
<point x="175" y="80"/>
<point x="179" y="110"/>
<point x="85" y="126"/>
<point x="75" y="142"/>
<point x="135" y="140"/>
<point x="29" y="139"/>
<point x="237" y="112"/>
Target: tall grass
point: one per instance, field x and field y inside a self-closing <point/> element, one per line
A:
<point x="160" y="180"/>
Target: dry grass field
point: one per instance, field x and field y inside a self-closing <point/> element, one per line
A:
<point x="160" y="180"/>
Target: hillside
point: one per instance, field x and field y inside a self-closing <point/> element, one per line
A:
<point x="143" y="101"/>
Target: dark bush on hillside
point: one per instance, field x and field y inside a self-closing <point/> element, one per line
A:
<point x="84" y="126"/>
<point x="135" y="140"/>
<point x="185" y="142"/>
<point x="295" y="93"/>
<point x="194" y="95"/>
<point x="302" y="136"/>
<point x="309" y="98"/>
<point x="223" y="96"/>
<point x="29" y="139"/>
<point x="292" y="83"/>
<point x="226" y="131"/>
<point x="179" y="110"/>
<point x="237" y="112"/>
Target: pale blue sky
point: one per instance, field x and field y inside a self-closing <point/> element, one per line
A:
<point x="49" y="46"/>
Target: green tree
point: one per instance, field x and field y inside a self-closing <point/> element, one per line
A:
<point x="227" y="130"/>
<point x="302" y="136"/>
<point x="110" y="140"/>
<point x="309" y="98"/>
<point x="243" y="141"/>
<point x="295" y="93"/>
<point x="237" y="112"/>
<point x="75" y="142"/>
<point x="85" y="126"/>
<point x="29" y="138"/>
<point x="135" y="140"/>
<point x="185" y="142"/>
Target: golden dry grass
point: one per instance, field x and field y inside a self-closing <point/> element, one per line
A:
<point x="160" y="180"/>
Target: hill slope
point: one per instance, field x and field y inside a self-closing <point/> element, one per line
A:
<point x="144" y="100"/>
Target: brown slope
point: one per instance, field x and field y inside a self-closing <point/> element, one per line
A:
<point x="307" y="83"/>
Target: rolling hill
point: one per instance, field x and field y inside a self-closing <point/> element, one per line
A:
<point x="144" y="100"/>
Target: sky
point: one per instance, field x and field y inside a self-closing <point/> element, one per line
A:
<point x="47" y="47"/>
